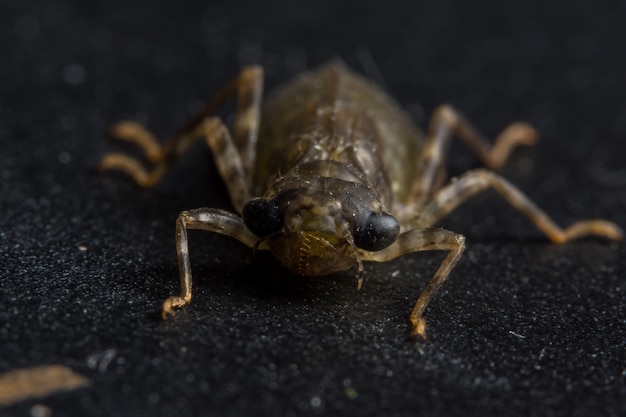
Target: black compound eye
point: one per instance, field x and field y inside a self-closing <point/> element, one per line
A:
<point x="262" y="216"/>
<point x="377" y="232"/>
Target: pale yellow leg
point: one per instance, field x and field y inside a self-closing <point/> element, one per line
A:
<point x="445" y="123"/>
<point x="424" y="240"/>
<point x="210" y="220"/>
<point x="247" y="87"/>
<point x="474" y="182"/>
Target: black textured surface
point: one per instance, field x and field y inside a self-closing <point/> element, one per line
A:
<point x="522" y="327"/>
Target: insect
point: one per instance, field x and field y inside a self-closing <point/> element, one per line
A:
<point x="329" y="172"/>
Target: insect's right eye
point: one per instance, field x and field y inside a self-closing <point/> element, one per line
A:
<point x="262" y="216"/>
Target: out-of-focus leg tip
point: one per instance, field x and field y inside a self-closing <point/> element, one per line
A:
<point x="419" y="328"/>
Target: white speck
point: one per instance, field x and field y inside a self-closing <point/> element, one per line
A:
<point x="74" y="74"/>
<point x="153" y="398"/>
<point x="316" y="402"/>
<point x="82" y="248"/>
<point x="517" y="334"/>
<point x="65" y="157"/>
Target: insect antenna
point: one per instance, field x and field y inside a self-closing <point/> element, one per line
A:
<point x="369" y="66"/>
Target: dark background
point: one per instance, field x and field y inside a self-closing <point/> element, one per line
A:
<point x="523" y="327"/>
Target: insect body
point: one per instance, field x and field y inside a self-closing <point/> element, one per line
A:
<point x="330" y="172"/>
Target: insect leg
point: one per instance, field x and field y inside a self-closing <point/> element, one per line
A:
<point x="445" y="123"/>
<point x="228" y="161"/>
<point x="247" y="87"/>
<point x="474" y="182"/>
<point x="137" y="134"/>
<point x="424" y="240"/>
<point x="211" y="220"/>
<point x="246" y="127"/>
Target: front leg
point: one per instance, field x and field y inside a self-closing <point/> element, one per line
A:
<point x="211" y="220"/>
<point x="423" y="240"/>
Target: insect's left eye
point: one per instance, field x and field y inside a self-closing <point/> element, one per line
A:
<point x="377" y="232"/>
<point x="262" y="216"/>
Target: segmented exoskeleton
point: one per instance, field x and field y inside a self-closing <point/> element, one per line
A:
<point x="330" y="172"/>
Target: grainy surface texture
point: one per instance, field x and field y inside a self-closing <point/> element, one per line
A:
<point x="522" y="327"/>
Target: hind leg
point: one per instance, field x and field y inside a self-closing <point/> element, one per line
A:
<point x="446" y="123"/>
<point x="247" y="87"/>
<point x="471" y="183"/>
